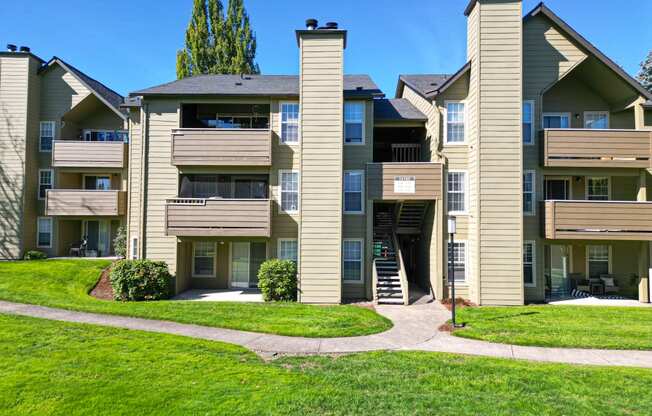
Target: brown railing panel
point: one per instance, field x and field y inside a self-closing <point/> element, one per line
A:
<point x="86" y="154"/>
<point x="598" y="220"/>
<point x="221" y="147"/>
<point x="85" y="203"/>
<point x="218" y="217"/>
<point x="404" y="181"/>
<point x="597" y="148"/>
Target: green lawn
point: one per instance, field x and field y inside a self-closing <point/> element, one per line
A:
<point x="66" y="283"/>
<point x="560" y="326"/>
<point x="55" y="368"/>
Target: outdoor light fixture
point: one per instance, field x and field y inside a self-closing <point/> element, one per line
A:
<point x="452" y="229"/>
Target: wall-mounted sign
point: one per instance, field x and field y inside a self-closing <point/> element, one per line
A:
<point x="405" y="184"/>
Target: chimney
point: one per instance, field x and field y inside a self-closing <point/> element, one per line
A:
<point x="25" y="49"/>
<point x="311" y="24"/>
<point x="11" y="47"/>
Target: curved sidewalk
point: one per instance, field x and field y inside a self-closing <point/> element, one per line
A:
<point x="415" y="329"/>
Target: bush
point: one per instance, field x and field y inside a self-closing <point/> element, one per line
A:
<point x="134" y="280"/>
<point x="35" y="255"/>
<point x="277" y="280"/>
<point x="120" y="242"/>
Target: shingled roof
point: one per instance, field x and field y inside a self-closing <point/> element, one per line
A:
<point x="424" y="84"/>
<point x="397" y="109"/>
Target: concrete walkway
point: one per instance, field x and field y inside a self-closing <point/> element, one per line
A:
<point x="415" y="329"/>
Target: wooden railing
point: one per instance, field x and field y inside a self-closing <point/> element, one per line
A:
<point x="406" y="152"/>
<point x="197" y="217"/>
<point x="85" y="203"/>
<point x="404" y="181"/>
<point x="598" y="220"/>
<point x="597" y="148"/>
<point x="221" y="147"/>
<point x="405" y="290"/>
<point x="87" y="154"/>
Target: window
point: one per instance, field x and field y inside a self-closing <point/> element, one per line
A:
<point x="106" y="136"/>
<point x="456" y="192"/>
<point x="134" y="248"/>
<point x="352" y="258"/>
<point x="203" y="259"/>
<point x="529" y="192"/>
<point x="556" y="120"/>
<point x="290" y="123"/>
<point x="454" y="122"/>
<point x="353" y="192"/>
<point x="528" y="122"/>
<point x="596" y="120"/>
<point x="44" y="232"/>
<point x="597" y="189"/>
<point x="529" y="257"/>
<point x="44" y="182"/>
<point x="458" y="260"/>
<point x="354" y="123"/>
<point x="598" y="259"/>
<point x="289" y="191"/>
<point x="46" y="136"/>
<point x="288" y="249"/>
<point x="97" y="183"/>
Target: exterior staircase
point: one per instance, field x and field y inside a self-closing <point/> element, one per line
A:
<point x="389" y="287"/>
<point x="409" y="217"/>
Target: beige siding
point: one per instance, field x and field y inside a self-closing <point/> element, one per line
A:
<point x="321" y="89"/>
<point x="229" y="147"/>
<point x="430" y="144"/>
<point x="60" y="91"/>
<point x="381" y="176"/>
<point x="135" y="178"/>
<point x="32" y="160"/>
<point x="84" y="154"/>
<point x="82" y="203"/>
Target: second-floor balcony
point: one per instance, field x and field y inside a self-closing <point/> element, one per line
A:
<point x="217" y="217"/>
<point x="404" y="181"/>
<point x="221" y="147"/>
<point x="85" y="203"/>
<point x="89" y="154"/>
<point x="577" y="148"/>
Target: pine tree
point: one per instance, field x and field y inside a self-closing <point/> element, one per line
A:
<point x="215" y="45"/>
<point x="645" y="76"/>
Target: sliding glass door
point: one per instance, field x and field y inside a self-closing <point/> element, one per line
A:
<point x="246" y="258"/>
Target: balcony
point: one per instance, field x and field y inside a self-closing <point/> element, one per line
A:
<point x="404" y="181"/>
<point x="575" y="148"/>
<point x="598" y="220"/>
<point x="87" y="154"/>
<point x="198" y="217"/>
<point x="221" y="147"/>
<point x="85" y="203"/>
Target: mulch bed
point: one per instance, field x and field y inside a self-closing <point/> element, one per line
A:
<point x="103" y="289"/>
<point x="459" y="303"/>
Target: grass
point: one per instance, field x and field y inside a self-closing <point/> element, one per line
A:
<point x="560" y="326"/>
<point x="66" y="284"/>
<point x="55" y="368"/>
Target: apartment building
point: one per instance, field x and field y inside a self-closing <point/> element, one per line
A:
<point x="63" y="156"/>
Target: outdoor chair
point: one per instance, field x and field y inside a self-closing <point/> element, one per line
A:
<point x="609" y="283"/>
<point x="78" y="248"/>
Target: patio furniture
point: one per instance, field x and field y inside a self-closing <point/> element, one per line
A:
<point x="78" y="249"/>
<point x="596" y="286"/>
<point x="576" y="280"/>
<point x="609" y="281"/>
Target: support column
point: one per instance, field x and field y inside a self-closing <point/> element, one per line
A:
<point x="645" y="250"/>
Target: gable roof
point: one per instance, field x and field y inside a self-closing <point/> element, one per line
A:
<point x="110" y="98"/>
<point x="541" y="9"/>
<point x="422" y="84"/>
<point x="255" y="85"/>
<point x="397" y="109"/>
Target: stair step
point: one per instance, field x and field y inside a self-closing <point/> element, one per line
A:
<point x="390" y="301"/>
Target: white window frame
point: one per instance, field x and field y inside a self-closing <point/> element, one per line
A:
<point x="38" y="190"/>
<point x="280" y="190"/>
<point x="466" y="280"/>
<point x="362" y="192"/>
<point x="588" y="260"/>
<point x="133" y="248"/>
<point x="280" y="127"/>
<point x="465" y="130"/>
<point x="40" y="134"/>
<point x="364" y="124"/>
<point x="530" y="140"/>
<point x="466" y="192"/>
<point x="533" y="263"/>
<point x="362" y="260"/>
<point x="533" y="212"/>
<point x="586" y="187"/>
<point x="38" y="231"/>
<point x="192" y="266"/>
<point x="567" y="115"/>
<point x="586" y="113"/>
<point x="280" y="242"/>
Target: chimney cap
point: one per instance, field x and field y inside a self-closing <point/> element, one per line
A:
<point x="25" y="49"/>
<point x="311" y="24"/>
<point x="11" y="47"/>
<point x="331" y="25"/>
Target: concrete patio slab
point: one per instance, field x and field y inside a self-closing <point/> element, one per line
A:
<point x="226" y="295"/>
<point x="593" y="301"/>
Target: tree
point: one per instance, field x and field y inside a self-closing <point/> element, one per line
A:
<point x="215" y="45"/>
<point x="645" y="75"/>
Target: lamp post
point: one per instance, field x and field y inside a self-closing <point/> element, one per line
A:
<point x="452" y="229"/>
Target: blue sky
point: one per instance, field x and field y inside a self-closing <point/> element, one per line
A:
<point x="130" y="45"/>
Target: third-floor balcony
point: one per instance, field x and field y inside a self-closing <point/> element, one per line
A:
<point x="221" y="147"/>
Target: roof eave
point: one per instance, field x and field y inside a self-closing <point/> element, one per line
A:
<point x="450" y="81"/>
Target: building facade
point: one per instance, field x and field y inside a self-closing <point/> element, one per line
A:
<point x="539" y="146"/>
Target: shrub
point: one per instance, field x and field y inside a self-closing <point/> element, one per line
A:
<point x="134" y="280"/>
<point x="277" y="280"/>
<point x="35" y="255"/>
<point x="120" y="242"/>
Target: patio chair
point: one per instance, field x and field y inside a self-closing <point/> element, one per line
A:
<point x="78" y="249"/>
<point x="609" y="283"/>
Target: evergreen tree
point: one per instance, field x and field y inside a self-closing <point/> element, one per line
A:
<point x="215" y="45"/>
<point x="645" y="76"/>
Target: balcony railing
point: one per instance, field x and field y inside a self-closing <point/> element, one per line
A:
<point x="221" y="147"/>
<point x="598" y="220"/>
<point x="404" y="181"/>
<point x="198" y="217"/>
<point x="87" y="154"/>
<point x="597" y="148"/>
<point x="85" y="203"/>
